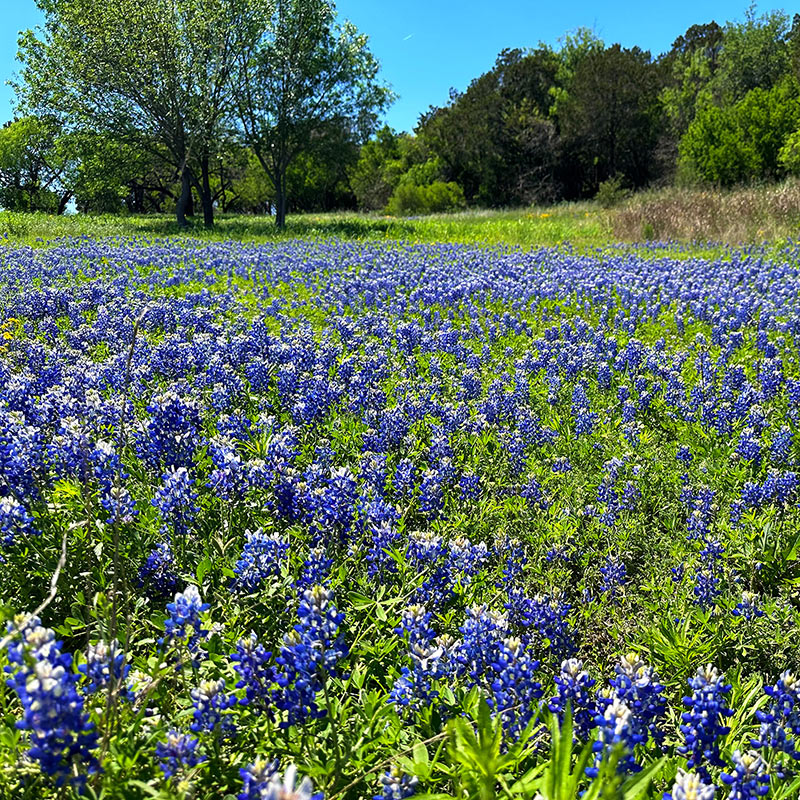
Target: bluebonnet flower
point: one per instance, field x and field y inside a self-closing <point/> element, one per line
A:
<point x="703" y="724"/>
<point x="558" y="553"/>
<point x="513" y="691"/>
<point x="229" y="478"/>
<point x="702" y="508"/>
<point x="431" y="497"/>
<point x="414" y="688"/>
<point x="749" y="778"/>
<point x="574" y="686"/>
<point x="781" y="447"/>
<point x="706" y="588"/>
<point x="707" y="577"/>
<point x="545" y="621"/>
<point x="428" y="553"/>
<point x="585" y="419"/>
<point x="532" y="492"/>
<point x="378" y="557"/>
<point x="332" y="505"/>
<point x="615" y="576"/>
<point x="210" y="702"/>
<point x="780" y="487"/>
<point x="684" y="455"/>
<point x="779" y="725"/>
<point x="466" y="559"/>
<point x="396" y="785"/>
<point x="262" y="781"/>
<point x="747" y="608"/>
<point x="103" y="661"/>
<point x="62" y="736"/>
<point x="252" y="662"/>
<point x="404" y="477"/>
<point x="15" y="521"/>
<point x="748" y="446"/>
<point x="470" y="487"/>
<point x="175" y="500"/>
<point x="616" y="728"/>
<point x="120" y="505"/>
<point x="172" y="433"/>
<point x="561" y="464"/>
<point x="637" y="685"/>
<point x="482" y="632"/>
<point x="158" y="574"/>
<point x="262" y="558"/>
<point x="178" y="753"/>
<point x="183" y="628"/>
<point x="309" y="653"/>
<point x="690" y="786"/>
<point x="316" y="569"/>
<point x="256" y="779"/>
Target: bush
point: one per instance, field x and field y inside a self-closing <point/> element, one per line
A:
<point x="611" y="192"/>
<point x="731" y="145"/>
<point x="434" y="198"/>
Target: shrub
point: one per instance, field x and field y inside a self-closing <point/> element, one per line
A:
<point x="611" y="192"/>
<point x="434" y="198"/>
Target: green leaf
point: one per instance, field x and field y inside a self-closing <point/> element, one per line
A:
<point x="635" y="786"/>
<point x="203" y="568"/>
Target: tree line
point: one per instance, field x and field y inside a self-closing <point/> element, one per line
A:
<point x="257" y="106"/>
<point x="168" y="103"/>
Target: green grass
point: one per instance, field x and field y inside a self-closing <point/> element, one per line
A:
<point x="580" y="224"/>
<point x="694" y="222"/>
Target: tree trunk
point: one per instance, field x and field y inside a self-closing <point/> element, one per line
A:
<point x="137" y="198"/>
<point x="205" y="194"/>
<point x="185" y="198"/>
<point x="280" y="202"/>
<point x="62" y="203"/>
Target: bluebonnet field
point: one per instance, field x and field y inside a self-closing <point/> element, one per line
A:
<point x="356" y="520"/>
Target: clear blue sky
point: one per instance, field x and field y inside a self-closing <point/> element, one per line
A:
<point x="427" y="46"/>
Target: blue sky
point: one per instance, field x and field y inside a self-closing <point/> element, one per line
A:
<point x="427" y="46"/>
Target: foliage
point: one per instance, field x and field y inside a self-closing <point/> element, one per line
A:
<point x="33" y="165"/>
<point x="728" y="145"/>
<point x="302" y="76"/>
<point x="154" y="73"/>
<point x="430" y="198"/>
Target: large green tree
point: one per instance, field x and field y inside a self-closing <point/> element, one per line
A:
<point x="153" y="73"/>
<point x="35" y="166"/>
<point x="744" y="141"/>
<point x="303" y="75"/>
<point x="496" y="139"/>
<point x="610" y="119"/>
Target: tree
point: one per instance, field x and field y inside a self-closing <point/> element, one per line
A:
<point x="374" y="176"/>
<point x="496" y="139"/>
<point x="302" y="73"/>
<point x="610" y="119"/>
<point x="153" y="73"/>
<point x="691" y="64"/>
<point x="755" y="55"/>
<point x="745" y="141"/>
<point x="34" y="166"/>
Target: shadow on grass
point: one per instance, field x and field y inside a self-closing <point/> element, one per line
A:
<point x="263" y="228"/>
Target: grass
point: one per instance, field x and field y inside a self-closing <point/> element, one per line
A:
<point x="684" y="217"/>
<point x="745" y="215"/>
<point x="581" y="224"/>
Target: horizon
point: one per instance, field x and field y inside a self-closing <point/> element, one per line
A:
<point x="432" y="52"/>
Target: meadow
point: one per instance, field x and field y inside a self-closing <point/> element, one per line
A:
<point x="373" y="517"/>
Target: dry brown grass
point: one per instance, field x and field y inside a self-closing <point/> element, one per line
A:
<point x="734" y="217"/>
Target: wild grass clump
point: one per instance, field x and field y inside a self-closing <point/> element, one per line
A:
<point x="738" y="216"/>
